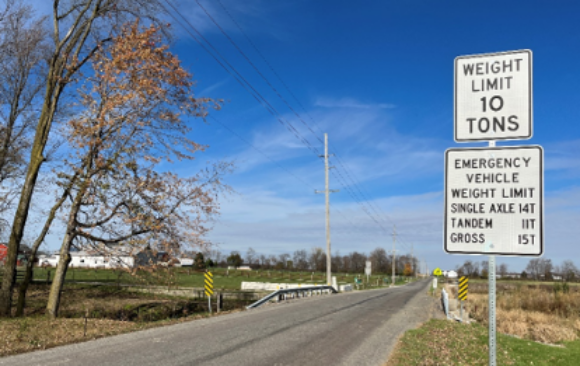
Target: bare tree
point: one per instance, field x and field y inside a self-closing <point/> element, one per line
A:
<point x="133" y="120"/>
<point x="216" y="256"/>
<point x="23" y="54"/>
<point x="503" y="270"/>
<point x="80" y="27"/>
<point x="272" y="260"/>
<point x="569" y="270"/>
<point x="539" y="267"/>
<point x="357" y="262"/>
<point x="263" y="260"/>
<point x="317" y="259"/>
<point x="336" y="262"/>
<point x="346" y="263"/>
<point x="250" y="256"/>
<point x="470" y="269"/>
<point x="379" y="260"/>
<point x="283" y="258"/>
<point x="533" y="268"/>
<point x="300" y="258"/>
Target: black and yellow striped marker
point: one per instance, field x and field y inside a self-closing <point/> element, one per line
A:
<point x="208" y="283"/>
<point x="463" y="283"/>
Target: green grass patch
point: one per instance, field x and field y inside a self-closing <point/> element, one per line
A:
<point x="187" y="277"/>
<point x="442" y="342"/>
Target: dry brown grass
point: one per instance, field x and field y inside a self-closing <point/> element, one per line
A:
<point x="531" y="312"/>
<point x="110" y="311"/>
<point x="30" y="334"/>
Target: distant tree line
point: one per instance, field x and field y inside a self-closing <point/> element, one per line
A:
<point x="537" y="269"/>
<point x="313" y="260"/>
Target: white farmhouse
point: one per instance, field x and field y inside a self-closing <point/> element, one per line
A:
<point x="185" y="262"/>
<point x="106" y="258"/>
<point x="450" y="274"/>
<point x="84" y="259"/>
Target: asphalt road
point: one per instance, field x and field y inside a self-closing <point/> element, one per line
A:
<point x="358" y="328"/>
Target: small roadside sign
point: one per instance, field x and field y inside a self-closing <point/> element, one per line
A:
<point x="437" y="272"/>
<point x="208" y="283"/>
<point x="494" y="201"/>
<point x="208" y="286"/>
<point x="368" y="268"/>
<point x="493" y="96"/>
<point x="463" y="284"/>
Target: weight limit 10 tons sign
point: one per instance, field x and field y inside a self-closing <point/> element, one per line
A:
<point x="493" y="96"/>
<point x="494" y="201"/>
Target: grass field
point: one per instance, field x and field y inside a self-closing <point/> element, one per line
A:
<point x="223" y="279"/>
<point x="527" y="313"/>
<point x="544" y="312"/>
<point x="442" y="342"/>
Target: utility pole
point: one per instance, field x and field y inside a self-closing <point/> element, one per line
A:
<point x="393" y="266"/>
<point x="327" y="193"/>
<point x="412" y="262"/>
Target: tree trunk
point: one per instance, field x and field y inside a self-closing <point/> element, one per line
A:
<point x="36" y="160"/>
<point x="29" y="267"/>
<point x="24" y="285"/>
<point x="53" y="303"/>
<point x="65" y="258"/>
<point x="16" y="236"/>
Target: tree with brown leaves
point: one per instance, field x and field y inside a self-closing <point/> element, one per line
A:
<point x="79" y="28"/>
<point x="134" y="108"/>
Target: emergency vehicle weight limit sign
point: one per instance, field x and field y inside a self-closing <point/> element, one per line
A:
<point x="494" y="201"/>
<point x="493" y="96"/>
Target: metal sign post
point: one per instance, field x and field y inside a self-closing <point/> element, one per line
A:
<point x="491" y="302"/>
<point x="491" y="298"/>
<point x="494" y="197"/>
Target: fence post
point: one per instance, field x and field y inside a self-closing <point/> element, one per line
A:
<point x="445" y="300"/>
<point x="219" y="302"/>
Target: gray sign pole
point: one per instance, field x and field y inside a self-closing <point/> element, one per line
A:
<point x="491" y="285"/>
<point x="491" y="301"/>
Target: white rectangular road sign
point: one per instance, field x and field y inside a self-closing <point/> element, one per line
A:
<point x="368" y="268"/>
<point x="493" y="96"/>
<point x="494" y="201"/>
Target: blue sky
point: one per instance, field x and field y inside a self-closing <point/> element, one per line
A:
<point x="377" y="76"/>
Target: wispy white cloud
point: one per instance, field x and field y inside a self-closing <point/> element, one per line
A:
<point x="563" y="156"/>
<point x="208" y="89"/>
<point x="247" y="14"/>
<point x="347" y="102"/>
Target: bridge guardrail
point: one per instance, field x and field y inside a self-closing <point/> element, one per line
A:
<point x="310" y="290"/>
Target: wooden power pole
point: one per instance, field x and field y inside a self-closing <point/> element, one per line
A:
<point x="327" y="192"/>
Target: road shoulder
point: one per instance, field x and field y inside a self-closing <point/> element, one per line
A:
<point x="378" y="346"/>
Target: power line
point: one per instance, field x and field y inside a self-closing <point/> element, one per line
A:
<point x="258" y="96"/>
<point x="277" y="164"/>
<point x="355" y="184"/>
<point x="256" y="69"/>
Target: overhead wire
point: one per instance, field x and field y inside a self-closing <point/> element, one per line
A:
<point x="355" y="184"/>
<point x="263" y="101"/>
<point x="280" y="166"/>
<point x="341" y="178"/>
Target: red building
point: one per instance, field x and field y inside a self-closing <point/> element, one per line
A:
<point x="3" y="252"/>
<point x="23" y="254"/>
